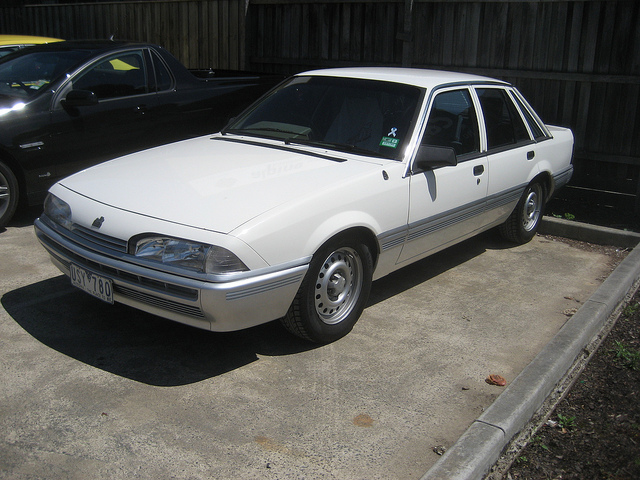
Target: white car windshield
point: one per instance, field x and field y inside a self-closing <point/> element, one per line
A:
<point x="354" y="115"/>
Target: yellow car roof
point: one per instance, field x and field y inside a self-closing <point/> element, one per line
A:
<point x="26" y="40"/>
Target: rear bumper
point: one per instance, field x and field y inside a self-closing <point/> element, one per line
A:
<point x="561" y="178"/>
<point x="233" y="304"/>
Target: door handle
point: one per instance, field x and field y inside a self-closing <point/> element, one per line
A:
<point x="140" y="109"/>
<point x="478" y="170"/>
<point x="530" y="155"/>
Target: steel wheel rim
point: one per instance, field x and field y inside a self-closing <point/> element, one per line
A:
<point x="338" y="285"/>
<point x="5" y="194"/>
<point x="532" y="208"/>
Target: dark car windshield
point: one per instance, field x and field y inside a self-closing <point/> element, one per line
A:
<point x="24" y="73"/>
<point x="362" y="116"/>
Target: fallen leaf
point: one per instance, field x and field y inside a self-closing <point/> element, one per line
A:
<point x="363" y="420"/>
<point x="496" y="380"/>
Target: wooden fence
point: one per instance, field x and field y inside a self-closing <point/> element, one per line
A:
<point x="201" y="34"/>
<point x="578" y="61"/>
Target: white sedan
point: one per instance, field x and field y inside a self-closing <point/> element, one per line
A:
<point x="332" y="180"/>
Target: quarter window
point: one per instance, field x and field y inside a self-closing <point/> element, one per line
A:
<point x="502" y="120"/>
<point x="163" y="77"/>
<point x="537" y="131"/>
<point x="453" y="123"/>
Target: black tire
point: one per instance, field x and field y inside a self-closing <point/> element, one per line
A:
<point x="8" y="194"/>
<point x="333" y="293"/>
<point x="523" y="223"/>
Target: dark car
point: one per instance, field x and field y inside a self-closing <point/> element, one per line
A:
<point x="68" y="105"/>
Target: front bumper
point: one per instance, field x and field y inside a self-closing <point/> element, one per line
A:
<point x="230" y="304"/>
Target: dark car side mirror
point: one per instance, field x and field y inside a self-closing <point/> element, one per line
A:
<point x="80" y="98"/>
<point x="430" y="157"/>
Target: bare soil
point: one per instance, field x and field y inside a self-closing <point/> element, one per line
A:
<point x="594" y="431"/>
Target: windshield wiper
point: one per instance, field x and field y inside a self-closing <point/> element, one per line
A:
<point x="296" y="140"/>
<point x="333" y="146"/>
<point x="271" y="129"/>
<point x="248" y="131"/>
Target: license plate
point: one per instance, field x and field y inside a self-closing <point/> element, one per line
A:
<point x="96" y="285"/>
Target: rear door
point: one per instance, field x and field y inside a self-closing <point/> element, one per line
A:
<point x="447" y="203"/>
<point x="510" y="151"/>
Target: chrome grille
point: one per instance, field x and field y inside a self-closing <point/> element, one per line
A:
<point x="91" y="237"/>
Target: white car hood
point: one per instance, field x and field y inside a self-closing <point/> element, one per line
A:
<point x="211" y="183"/>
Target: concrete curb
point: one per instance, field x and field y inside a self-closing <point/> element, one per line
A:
<point x="588" y="233"/>
<point x="480" y="446"/>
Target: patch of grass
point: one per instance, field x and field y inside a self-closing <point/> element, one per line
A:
<point x="566" y="216"/>
<point x="566" y="422"/>
<point x="630" y="309"/>
<point x="628" y="357"/>
<point x="537" y="440"/>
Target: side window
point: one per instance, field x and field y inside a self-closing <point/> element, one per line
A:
<point x="535" y="127"/>
<point x="120" y="75"/>
<point x="453" y="123"/>
<point x="502" y="120"/>
<point x="163" y="77"/>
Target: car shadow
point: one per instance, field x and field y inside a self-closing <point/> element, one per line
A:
<point x="434" y="265"/>
<point x="23" y="217"/>
<point x="136" y="345"/>
<point x="154" y="351"/>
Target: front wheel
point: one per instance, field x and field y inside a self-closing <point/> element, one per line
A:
<point x="8" y="194"/>
<point x="333" y="293"/>
<point x="522" y="224"/>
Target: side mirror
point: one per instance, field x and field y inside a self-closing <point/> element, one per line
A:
<point x="430" y="157"/>
<point x="80" y="98"/>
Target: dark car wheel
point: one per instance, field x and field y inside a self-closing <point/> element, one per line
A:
<point x="8" y="194"/>
<point x="333" y="293"/>
<point x="522" y="224"/>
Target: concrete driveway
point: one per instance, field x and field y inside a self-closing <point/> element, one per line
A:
<point x="96" y="391"/>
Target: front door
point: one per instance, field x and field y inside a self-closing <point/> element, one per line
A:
<point x="447" y="203"/>
<point x="120" y="122"/>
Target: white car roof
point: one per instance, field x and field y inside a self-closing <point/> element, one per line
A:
<point x="412" y="76"/>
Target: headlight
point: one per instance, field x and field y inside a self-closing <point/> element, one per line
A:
<point x="58" y="210"/>
<point x="194" y="256"/>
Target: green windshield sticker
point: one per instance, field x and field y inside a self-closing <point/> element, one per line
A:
<point x="389" y="142"/>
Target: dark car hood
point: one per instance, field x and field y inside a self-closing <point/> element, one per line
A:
<point x="8" y="101"/>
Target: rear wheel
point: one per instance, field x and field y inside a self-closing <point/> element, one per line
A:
<point x="523" y="223"/>
<point x="8" y="194"/>
<point x="333" y="293"/>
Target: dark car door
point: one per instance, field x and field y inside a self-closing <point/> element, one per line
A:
<point x="105" y="111"/>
